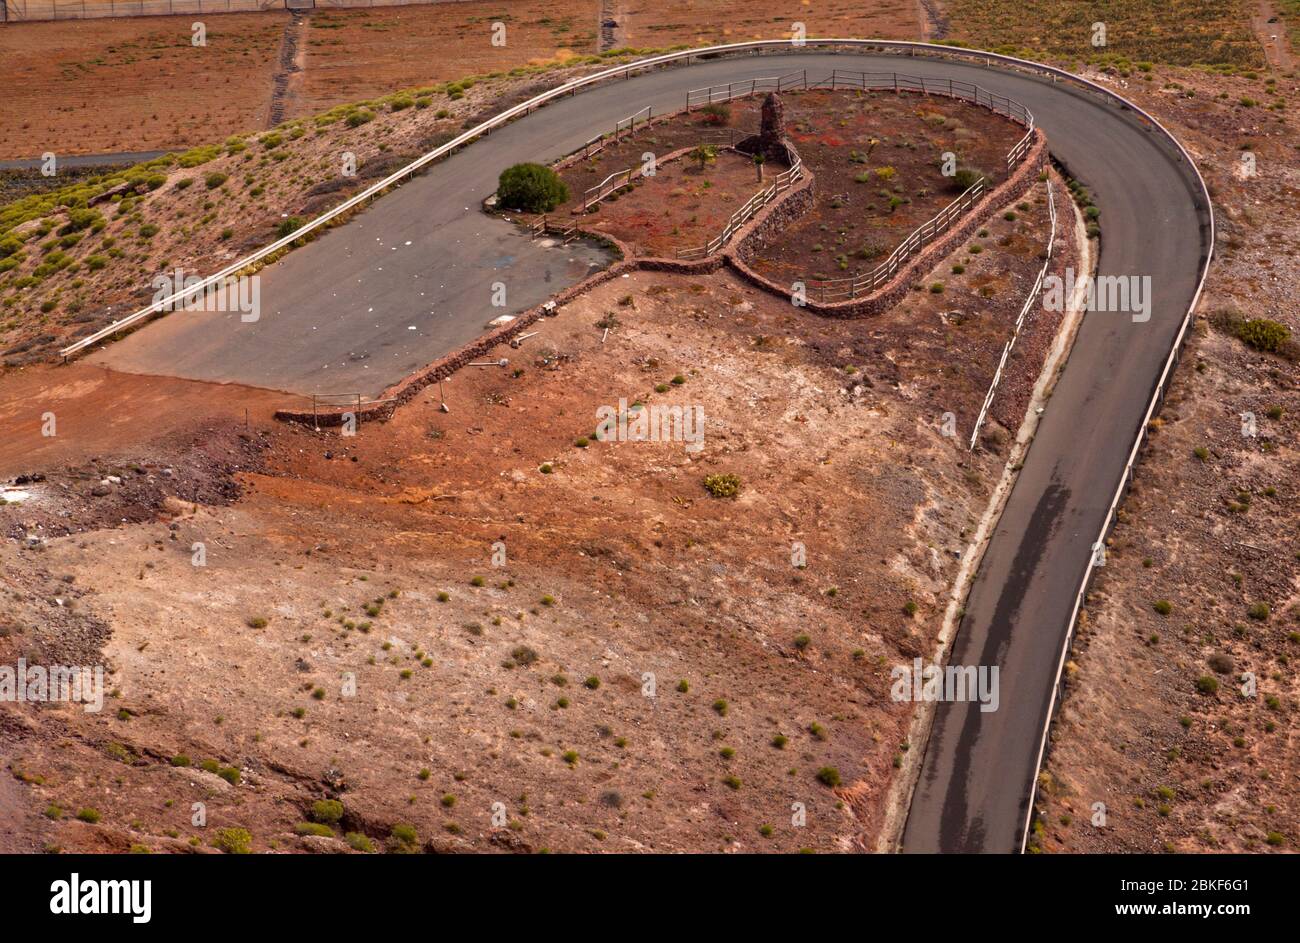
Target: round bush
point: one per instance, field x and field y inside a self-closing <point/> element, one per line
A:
<point x="967" y="177"/>
<point x="1264" y="334"/>
<point x="531" y="188"/>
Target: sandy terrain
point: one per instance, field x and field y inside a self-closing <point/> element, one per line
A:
<point x="103" y="86"/>
<point x="136" y="84"/>
<point x="705" y="22"/>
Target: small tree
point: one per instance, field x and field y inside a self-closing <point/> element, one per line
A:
<point x="704" y="154"/>
<point x="531" y="188"/>
<point x="759" y="160"/>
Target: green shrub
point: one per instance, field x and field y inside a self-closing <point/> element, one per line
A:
<point x="328" y="811"/>
<point x="1263" y="334"/>
<point x="79" y="219"/>
<point x="829" y="776"/>
<point x="233" y="841"/>
<point x="215" y="179"/>
<point x="531" y="188"/>
<point x="967" y="177"/>
<point x="722" y="486"/>
<point x="405" y="834"/>
<point x="359" y="842"/>
<point x="314" y="828"/>
<point x="89" y="815"/>
<point x="715" y="114"/>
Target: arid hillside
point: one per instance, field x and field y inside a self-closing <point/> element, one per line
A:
<point x="1181" y="711"/>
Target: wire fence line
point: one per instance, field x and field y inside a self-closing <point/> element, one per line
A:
<point x="1030" y="299"/>
<point x="24" y="11"/>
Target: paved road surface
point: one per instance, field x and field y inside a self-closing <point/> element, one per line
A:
<point x="76" y="161"/>
<point x="976" y="774"/>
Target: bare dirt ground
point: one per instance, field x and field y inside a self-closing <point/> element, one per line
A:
<point x="1272" y="35"/>
<point x="138" y="84"/>
<point x="877" y="158"/>
<point x="356" y="54"/>
<point x="99" y="411"/>
<point x="371" y="558"/>
<point x="703" y="22"/>
<point x="683" y="206"/>
<point x="104" y="86"/>
<point x="653" y="574"/>
<point x="1161" y="724"/>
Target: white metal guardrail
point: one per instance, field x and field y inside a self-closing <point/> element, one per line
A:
<point x="616" y="180"/>
<point x="716" y="94"/>
<point x="952" y="88"/>
<point x="1020" y="321"/>
<point x="756" y="47"/>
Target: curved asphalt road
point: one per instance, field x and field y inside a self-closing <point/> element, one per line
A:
<point x="978" y="768"/>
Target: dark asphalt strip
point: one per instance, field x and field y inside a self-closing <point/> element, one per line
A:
<point x="78" y="161"/>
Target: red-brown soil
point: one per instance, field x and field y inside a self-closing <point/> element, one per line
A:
<point x="877" y="158"/>
<point x="683" y="206"/>
<point x="645" y="23"/>
<point x="362" y="53"/>
<point x="105" y="85"/>
<point x="136" y="84"/>
<point x="619" y="563"/>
